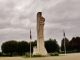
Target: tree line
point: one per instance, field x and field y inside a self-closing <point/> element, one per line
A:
<point x="72" y="45"/>
<point x="22" y="47"/>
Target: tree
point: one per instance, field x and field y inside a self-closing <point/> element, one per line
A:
<point x="23" y="47"/>
<point x="33" y="43"/>
<point x="51" y="45"/>
<point x="78" y="43"/>
<point x="74" y="44"/>
<point x="9" y="47"/>
<point x="66" y="44"/>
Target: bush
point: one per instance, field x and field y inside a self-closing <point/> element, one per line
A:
<point x="54" y="54"/>
<point x="38" y="55"/>
<point x="15" y="54"/>
<point x="27" y="54"/>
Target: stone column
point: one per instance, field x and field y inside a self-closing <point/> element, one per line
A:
<point x="40" y="35"/>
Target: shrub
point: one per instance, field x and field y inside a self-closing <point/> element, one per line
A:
<point x="38" y="55"/>
<point x="27" y="54"/>
<point x="54" y="54"/>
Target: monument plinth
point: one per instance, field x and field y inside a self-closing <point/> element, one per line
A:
<point x="40" y="49"/>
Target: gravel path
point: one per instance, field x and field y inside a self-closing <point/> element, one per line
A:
<point x="73" y="56"/>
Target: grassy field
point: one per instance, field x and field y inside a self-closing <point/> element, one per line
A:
<point x="73" y="56"/>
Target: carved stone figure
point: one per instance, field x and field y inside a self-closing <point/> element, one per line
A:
<point x="40" y="49"/>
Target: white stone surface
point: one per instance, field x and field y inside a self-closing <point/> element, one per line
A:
<point x="40" y="49"/>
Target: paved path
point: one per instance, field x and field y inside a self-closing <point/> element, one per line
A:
<point x="73" y="56"/>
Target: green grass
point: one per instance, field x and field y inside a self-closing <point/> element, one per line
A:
<point x="24" y="56"/>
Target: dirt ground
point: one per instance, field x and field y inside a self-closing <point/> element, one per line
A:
<point x="73" y="56"/>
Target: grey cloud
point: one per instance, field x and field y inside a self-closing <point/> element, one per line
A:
<point x="66" y="15"/>
<point x="18" y="16"/>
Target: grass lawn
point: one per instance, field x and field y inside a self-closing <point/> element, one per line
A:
<point x="72" y="56"/>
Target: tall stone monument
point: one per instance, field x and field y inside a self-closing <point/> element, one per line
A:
<point x="40" y="49"/>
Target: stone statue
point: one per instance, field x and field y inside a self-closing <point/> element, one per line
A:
<point x="40" y="49"/>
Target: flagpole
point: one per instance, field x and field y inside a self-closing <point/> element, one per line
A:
<point x="30" y="48"/>
<point x="30" y="42"/>
<point x="64" y="46"/>
<point x="64" y="43"/>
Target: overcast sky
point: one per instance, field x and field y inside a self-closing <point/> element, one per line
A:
<point x="18" y="16"/>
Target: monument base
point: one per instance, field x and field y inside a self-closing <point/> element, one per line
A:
<point x="36" y="52"/>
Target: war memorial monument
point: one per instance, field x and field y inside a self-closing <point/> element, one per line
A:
<point x="40" y="48"/>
